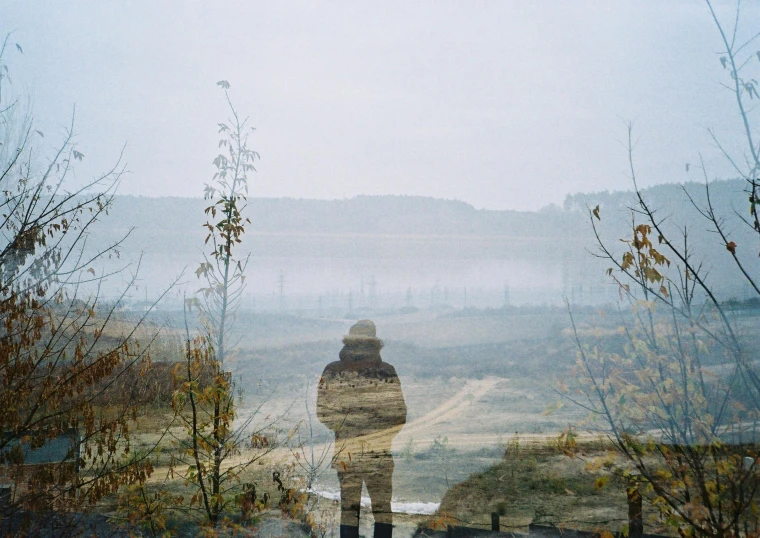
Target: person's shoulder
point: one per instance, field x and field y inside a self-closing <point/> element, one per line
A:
<point x="387" y="369"/>
<point x="333" y="368"/>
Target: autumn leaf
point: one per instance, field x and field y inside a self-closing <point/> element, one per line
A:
<point x="444" y="521"/>
<point x="627" y="261"/>
<point x="552" y="408"/>
<point x="731" y="247"/>
<point x="600" y="482"/>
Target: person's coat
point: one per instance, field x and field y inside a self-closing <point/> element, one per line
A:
<point x="360" y="399"/>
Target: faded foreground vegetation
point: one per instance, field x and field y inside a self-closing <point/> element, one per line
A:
<point x="207" y="409"/>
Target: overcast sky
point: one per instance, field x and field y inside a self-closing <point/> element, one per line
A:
<point x="505" y="105"/>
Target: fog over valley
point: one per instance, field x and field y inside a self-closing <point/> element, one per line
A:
<point x="380" y="269"/>
<point x="390" y="252"/>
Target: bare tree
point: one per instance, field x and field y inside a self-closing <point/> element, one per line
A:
<point x="218" y="451"/>
<point x="63" y="352"/>
<point x="680" y="401"/>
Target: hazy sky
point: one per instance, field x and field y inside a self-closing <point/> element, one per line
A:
<point x="506" y="105"/>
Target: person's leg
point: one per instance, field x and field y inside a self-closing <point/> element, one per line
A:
<point x="350" y="503"/>
<point x="380" y="488"/>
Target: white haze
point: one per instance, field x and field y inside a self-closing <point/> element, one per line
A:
<point x="505" y="105"/>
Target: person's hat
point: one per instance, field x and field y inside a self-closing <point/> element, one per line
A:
<point x="363" y="327"/>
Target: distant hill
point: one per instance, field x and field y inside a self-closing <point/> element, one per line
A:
<point x="365" y="226"/>
<point x="667" y="196"/>
<point x="168" y="231"/>
<point x="412" y="214"/>
<point x="173" y="224"/>
<point x="363" y="215"/>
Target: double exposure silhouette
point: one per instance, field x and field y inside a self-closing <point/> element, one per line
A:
<point x="360" y="399"/>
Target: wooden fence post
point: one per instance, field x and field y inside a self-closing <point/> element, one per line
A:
<point x="495" y="521"/>
<point x="635" y="519"/>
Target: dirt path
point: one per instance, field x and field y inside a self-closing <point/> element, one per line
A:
<point x="452" y="408"/>
<point x="449" y="410"/>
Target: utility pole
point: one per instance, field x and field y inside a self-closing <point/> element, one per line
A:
<point x="137" y="287"/>
<point x="372" y="285"/>
<point x="566" y="281"/>
<point x="281" y="286"/>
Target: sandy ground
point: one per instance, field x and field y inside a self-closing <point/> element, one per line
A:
<point x="464" y="419"/>
<point x="466" y="415"/>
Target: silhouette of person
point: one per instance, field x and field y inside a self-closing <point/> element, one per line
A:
<point x="360" y="399"/>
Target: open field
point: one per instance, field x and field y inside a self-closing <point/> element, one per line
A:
<point x="477" y="437"/>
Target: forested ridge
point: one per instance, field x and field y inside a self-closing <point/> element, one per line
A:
<point x="410" y="214"/>
<point x="166" y="224"/>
